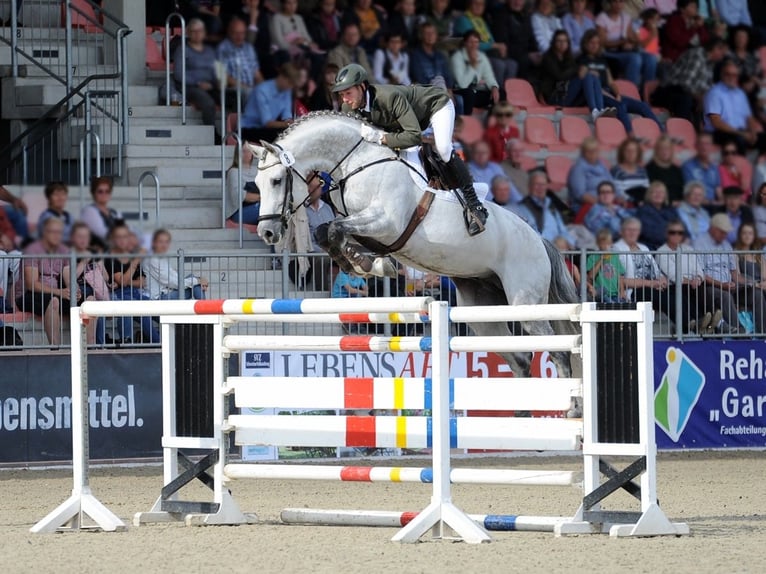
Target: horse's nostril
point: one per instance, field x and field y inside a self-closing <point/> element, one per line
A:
<point x="267" y="234"/>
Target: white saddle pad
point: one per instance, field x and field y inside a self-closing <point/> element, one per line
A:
<point x="418" y="175"/>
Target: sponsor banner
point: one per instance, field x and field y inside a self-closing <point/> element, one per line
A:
<point x="710" y="394"/>
<point x="124" y="407"/>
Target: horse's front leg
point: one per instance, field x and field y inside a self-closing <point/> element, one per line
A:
<point x="367" y="223"/>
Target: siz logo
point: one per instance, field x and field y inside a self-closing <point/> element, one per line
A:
<point x="257" y="360"/>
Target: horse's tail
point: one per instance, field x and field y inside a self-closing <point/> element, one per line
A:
<point x="562" y="288"/>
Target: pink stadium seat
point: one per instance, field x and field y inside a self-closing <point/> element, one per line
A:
<point x="83" y="16"/>
<point x="521" y="95"/>
<point x="154" y="59"/>
<point x="472" y="132"/>
<point x="628" y="88"/>
<point x="527" y="162"/>
<point x="610" y="132"/>
<point x="540" y="131"/>
<point x="557" y="167"/>
<point x="683" y="131"/>
<point x="574" y="130"/>
<point x="231" y="126"/>
<point x="746" y="169"/>
<point x="647" y="130"/>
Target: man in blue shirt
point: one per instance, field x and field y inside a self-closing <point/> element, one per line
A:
<point x="538" y="211"/>
<point x="240" y="59"/>
<point x="269" y="108"/>
<point x="728" y="115"/>
<point x="427" y="64"/>
<point x="703" y="169"/>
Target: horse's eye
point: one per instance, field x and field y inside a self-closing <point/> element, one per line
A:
<point x="276" y="181"/>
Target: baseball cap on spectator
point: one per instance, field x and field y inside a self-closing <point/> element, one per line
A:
<point x="721" y="221"/>
<point x="733" y="190"/>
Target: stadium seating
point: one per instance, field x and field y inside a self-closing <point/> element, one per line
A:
<point x="746" y="169"/>
<point x="682" y="131"/>
<point x="521" y="94"/>
<point x="558" y="167"/>
<point x="628" y="89"/>
<point x="83" y="16"/>
<point x="472" y="131"/>
<point x="574" y="130"/>
<point x="154" y="59"/>
<point x="647" y="130"/>
<point x="610" y="132"/>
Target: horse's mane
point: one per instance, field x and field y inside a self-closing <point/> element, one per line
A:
<point x="319" y="114"/>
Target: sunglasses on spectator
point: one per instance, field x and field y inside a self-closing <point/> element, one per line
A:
<point x="504" y="114"/>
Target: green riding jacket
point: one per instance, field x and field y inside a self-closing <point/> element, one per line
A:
<point x="403" y="111"/>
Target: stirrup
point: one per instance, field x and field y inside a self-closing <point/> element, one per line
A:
<point x="475" y="218"/>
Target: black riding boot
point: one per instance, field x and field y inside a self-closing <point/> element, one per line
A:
<point x="460" y="178"/>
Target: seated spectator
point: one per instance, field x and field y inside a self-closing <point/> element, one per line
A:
<point x="403" y="22"/>
<point x="731" y="175"/>
<point x="316" y="270"/>
<point x="721" y="272"/>
<point x="685" y="83"/>
<point x="605" y="213"/>
<point x="324" y="25"/>
<point x="128" y="284"/>
<point x="654" y="214"/>
<point x="289" y="32"/>
<point x="391" y="65"/>
<point x="648" y="33"/>
<point x="206" y="11"/>
<point x="45" y="293"/>
<point x="429" y="65"/>
<point x="728" y="115"/>
<point x="564" y="83"/>
<point x="438" y="15"/>
<point x="98" y="216"/>
<point x="743" y="52"/>
<point x="349" y="50"/>
<point x="662" y="167"/>
<point x="498" y="134"/>
<point x="349" y="285"/>
<point x="587" y="172"/>
<point x="692" y="212"/>
<point x="504" y="193"/>
<point x="91" y="277"/>
<point x="576" y="22"/>
<point x="621" y="43"/>
<point x="201" y="82"/>
<point x="251" y="197"/>
<point x="511" y="164"/>
<point x="242" y="66"/>
<point x="322" y="98"/>
<point x="16" y="212"/>
<point x="162" y="278"/>
<point x="257" y="16"/>
<point x="734" y="207"/>
<point x="628" y="174"/>
<point x="704" y="169"/>
<point x="605" y="271"/>
<point x="503" y="67"/>
<point x="751" y="265"/>
<point x="512" y="27"/>
<point x="734" y="12"/>
<point x="544" y="23"/>
<point x="684" y="29"/>
<point x="269" y="108"/>
<point x="481" y="167"/>
<point x="57" y="193"/>
<point x="541" y="213"/>
<point x="474" y="80"/>
<point x="574" y="270"/>
<point x="592" y="58"/>
<point x="10" y="260"/>
<point x="643" y="279"/>
<point x="371" y="22"/>
<point x="674" y="260"/>
<point x="759" y="212"/>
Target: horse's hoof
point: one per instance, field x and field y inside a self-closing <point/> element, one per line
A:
<point x="384" y="267"/>
<point x="362" y="263"/>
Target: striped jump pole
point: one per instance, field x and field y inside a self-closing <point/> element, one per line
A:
<point x="333" y="318"/>
<point x="393" y="519"/>
<point x="402" y="474"/>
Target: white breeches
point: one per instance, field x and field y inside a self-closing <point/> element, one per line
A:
<point x="443" y="123"/>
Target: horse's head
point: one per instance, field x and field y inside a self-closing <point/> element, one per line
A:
<point x="275" y="183"/>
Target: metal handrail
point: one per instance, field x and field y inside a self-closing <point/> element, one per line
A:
<point x="154" y="176"/>
<point x="222" y="91"/>
<point x="240" y="198"/>
<point x="85" y="161"/>
<point x="183" y="63"/>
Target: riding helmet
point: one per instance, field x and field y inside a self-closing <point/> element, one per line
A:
<point x="349" y="76"/>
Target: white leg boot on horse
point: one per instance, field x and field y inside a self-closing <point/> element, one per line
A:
<point x="459" y="178"/>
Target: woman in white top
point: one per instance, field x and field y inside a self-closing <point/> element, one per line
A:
<point x="545" y="23"/>
<point x="391" y="65"/>
<point x="251" y="197"/>
<point x="289" y="32"/>
<point x="643" y="279"/>
<point x="474" y="80"/>
<point x="162" y="278"/>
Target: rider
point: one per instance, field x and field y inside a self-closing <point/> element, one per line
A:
<point x="404" y="112"/>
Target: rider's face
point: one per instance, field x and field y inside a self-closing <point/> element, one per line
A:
<point x="353" y="97"/>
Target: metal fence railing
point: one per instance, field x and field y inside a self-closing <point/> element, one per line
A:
<point x="694" y="310"/>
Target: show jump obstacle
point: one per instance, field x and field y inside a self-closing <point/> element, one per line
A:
<point x="616" y="390"/>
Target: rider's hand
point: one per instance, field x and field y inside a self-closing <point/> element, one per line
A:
<point x="372" y="135"/>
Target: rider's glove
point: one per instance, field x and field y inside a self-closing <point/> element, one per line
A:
<point x="371" y="134"/>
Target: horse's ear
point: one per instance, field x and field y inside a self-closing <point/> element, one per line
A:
<point x="257" y="151"/>
<point x="269" y="148"/>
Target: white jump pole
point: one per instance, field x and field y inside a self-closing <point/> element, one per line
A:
<point x="393" y="519"/>
<point x="69" y="515"/>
